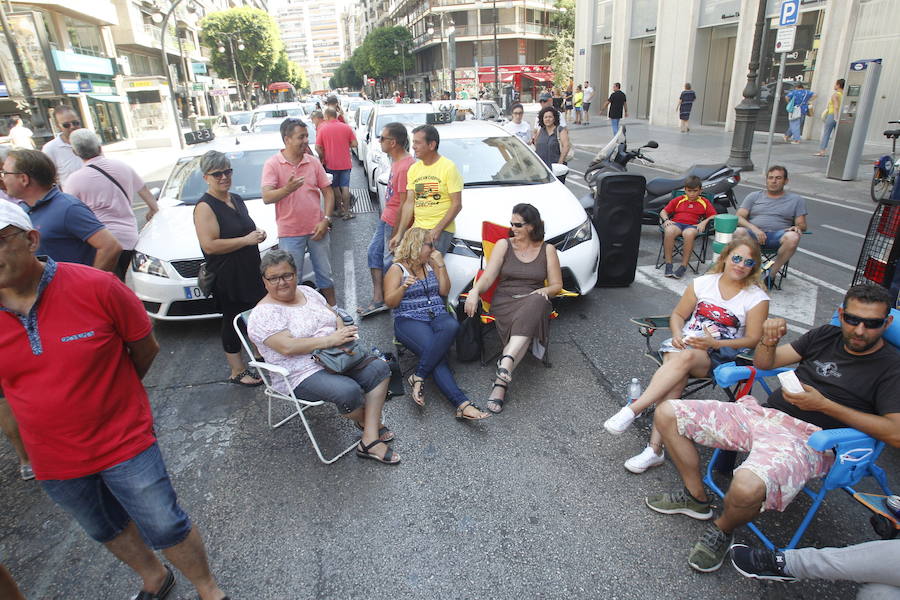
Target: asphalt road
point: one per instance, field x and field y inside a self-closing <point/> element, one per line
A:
<point x="533" y="503"/>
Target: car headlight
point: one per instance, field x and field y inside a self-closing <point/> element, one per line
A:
<point x="582" y="233"/>
<point x="143" y="263"/>
<point x="467" y="248"/>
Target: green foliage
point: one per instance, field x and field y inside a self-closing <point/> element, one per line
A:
<point x="287" y="70"/>
<point x="345" y="76"/>
<point x="562" y="50"/>
<point x="375" y="58"/>
<point x="259" y="34"/>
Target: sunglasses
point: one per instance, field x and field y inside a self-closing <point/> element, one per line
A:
<point x="518" y="225"/>
<point x="70" y="124"/>
<point x="853" y="321"/>
<point x="284" y="278"/>
<point x="748" y="262"/>
<point x="221" y="174"/>
<point x="381" y="138"/>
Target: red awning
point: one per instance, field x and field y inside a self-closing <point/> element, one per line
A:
<point x="489" y="77"/>
<point x="538" y="76"/>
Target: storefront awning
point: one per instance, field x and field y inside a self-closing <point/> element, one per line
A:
<point x="542" y="77"/>
<point x="105" y="98"/>
<point x="489" y="77"/>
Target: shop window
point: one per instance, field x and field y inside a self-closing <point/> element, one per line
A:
<point x="84" y="37"/>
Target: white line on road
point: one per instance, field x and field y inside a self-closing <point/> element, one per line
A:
<point x="827" y="259"/>
<point x="349" y="283"/>
<point x="817" y="281"/>
<point x="579" y="184"/>
<point x="853" y="233"/>
<point x="571" y="170"/>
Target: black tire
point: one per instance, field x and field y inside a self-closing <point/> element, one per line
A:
<point x="881" y="188"/>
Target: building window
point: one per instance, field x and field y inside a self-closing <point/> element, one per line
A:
<point x="85" y="37"/>
<point x="143" y="65"/>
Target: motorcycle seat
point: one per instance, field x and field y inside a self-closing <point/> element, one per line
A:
<point x="660" y="186"/>
<point x="892" y="133"/>
<point x="703" y="171"/>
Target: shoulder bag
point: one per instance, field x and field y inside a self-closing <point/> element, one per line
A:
<point x="342" y="359"/>
<point x="111" y="178"/>
<point x="206" y="279"/>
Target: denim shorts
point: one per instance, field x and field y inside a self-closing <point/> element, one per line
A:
<point x="773" y="239"/>
<point x="683" y="226"/>
<point x="319" y="254"/>
<point x="345" y="391"/>
<point x="379" y="255"/>
<point x="136" y="490"/>
<point x="340" y="177"/>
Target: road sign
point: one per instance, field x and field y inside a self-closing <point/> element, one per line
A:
<point x="784" y="39"/>
<point x="790" y="9"/>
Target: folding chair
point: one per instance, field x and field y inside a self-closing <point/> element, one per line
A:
<point x="647" y="326"/>
<point x="768" y="257"/>
<point x="268" y="373"/>
<point x="701" y="242"/>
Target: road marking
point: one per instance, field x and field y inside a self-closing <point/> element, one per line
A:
<point x="817" y="281"/>
<point x="349" y="282"/>
<point x="848" y="232"/>
<point x="571" y="170"/>
<point x="579" y="184"/>
<point x="827" y="259"/>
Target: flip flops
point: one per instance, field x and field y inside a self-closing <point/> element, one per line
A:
<point x="371" y="309"/>
<point x="163" y="590"/>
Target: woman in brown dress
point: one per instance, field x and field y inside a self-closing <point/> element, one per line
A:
<point x="529" y="275"/>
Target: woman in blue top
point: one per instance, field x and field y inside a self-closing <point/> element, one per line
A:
<point x="797" y="117"/>
<point x="415" y="287"/>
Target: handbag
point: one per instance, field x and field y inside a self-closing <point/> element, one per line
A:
<point x="570" y="154"/>
<point x="468" y="339"/>
<point x="342" y="359"/>
<point x="206" y="279"/>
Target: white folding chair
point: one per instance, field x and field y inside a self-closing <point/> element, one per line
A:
<point x="268" y="373"/>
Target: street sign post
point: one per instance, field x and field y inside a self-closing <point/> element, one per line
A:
<point x="784" y="39"/>
<point x="784" y="43"/>
<point x="790" y="10"/>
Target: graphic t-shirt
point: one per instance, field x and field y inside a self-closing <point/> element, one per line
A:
<point x="688" y="212"/>
<point x="866" y="383"/>
<point x="725" y="319"/>
<point x="432" y="186"/>
<point x="616" y="104"/>
<point x="773" y="214"/>
<point x="396" y="190"/>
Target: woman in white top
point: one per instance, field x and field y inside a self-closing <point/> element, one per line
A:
<point x="719" y="315"/>
<point x="517" y="126"/>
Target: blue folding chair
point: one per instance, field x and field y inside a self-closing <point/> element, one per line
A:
<point x="855" y="453"/>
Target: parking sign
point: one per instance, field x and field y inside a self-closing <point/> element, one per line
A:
<point x="790" y="9"/>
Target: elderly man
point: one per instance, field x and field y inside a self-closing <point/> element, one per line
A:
<point x="295" y="181"/>
<point x="775" y="218"/>
<point x="59" y="149"/>
<point x="334" y="141"/>
<point x="850" y="378"/>
<point x="74" y="346"/>
<point x="316" y="117"/>
<point x="69" y="230"/>
<point x="107" y="187"/>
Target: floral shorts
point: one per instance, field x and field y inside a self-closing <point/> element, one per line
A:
<point x="775" y="440"/>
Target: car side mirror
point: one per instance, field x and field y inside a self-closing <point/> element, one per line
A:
<point x="651" y="144"/>
<point x="559" y="170"/>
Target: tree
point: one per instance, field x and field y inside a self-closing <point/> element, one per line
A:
<point x="287" y="70"/>
<point x="345" y="76"/>
<point x="380" y="45"/>
<point x="562" y="49"/>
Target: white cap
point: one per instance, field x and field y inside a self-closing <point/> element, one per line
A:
<point x="12" y="214"/>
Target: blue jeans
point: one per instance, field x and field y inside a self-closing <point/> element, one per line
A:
<point x="430" y="341"/>
<point x="830" y="124"/>
<point x="319" y="254"/>
<point x="615" y="125"/>
<point x="137" y="489"/>
<point x="379" y="253"/>
<point x="773" y="239"/>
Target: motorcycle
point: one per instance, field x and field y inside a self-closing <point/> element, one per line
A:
<point x="719" y="180"/>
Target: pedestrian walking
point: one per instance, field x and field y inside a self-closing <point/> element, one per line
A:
<point x="618" y="106"/>
<point x="334" y="141"/>
<point x="108" y="187"/>
<point x="829" y="115"/>
<point x="74" y="346"/>
<point x="552" y="141"/>
<point x="799" y="100"/>
<point x="558" y="97"/>
<point x="19" y="135"/>
<point x="588" y="98"/>
<point x="59" y="149"/>
<point x="578" y="103"/>
<point x="568" y="104"/>
<point x="685" y="103"/>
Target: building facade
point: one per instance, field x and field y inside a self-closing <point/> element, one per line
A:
<point x="654" y="47"/>
<point x="314" y="37"/>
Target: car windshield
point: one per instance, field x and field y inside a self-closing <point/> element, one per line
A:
<point x="267" y="128"/>
<point x="280" y="113"/>
<point x="405" y="118"/>
<point x="501" y="160"/>
<point x="187" y="185"/>
<point x="241" y="118"/>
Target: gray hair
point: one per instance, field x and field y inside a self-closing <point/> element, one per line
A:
<point x="212" y="161"/>
<point x="4" y="152"/>
<point x="316" y="114"/>
<point x="85" y="144"/>
<point x="276" y="257"/>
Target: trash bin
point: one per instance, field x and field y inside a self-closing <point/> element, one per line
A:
<point x="618" y="207"/>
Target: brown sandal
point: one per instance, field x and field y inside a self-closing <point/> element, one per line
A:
<point x="417" y="397"/>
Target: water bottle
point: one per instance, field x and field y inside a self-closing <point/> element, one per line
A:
<point x="633" y="393"/>
<point x="379" y="354"/>
<point x="893" y="504"/>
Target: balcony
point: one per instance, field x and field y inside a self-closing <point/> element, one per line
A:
<point x="145" y="36"/>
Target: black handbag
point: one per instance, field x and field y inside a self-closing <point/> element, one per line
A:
<point x="341" y="359"/>
<point x="206" y="279"/>
<point x="469" y="341"/>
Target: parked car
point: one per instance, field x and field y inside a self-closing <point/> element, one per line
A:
<point x="167" y="257"/>
<point x="282" y="110"/>
<point x="230" y="123"/>
<point x="360" y="122"/>
<point x="369" y="151"/>
<point x="480" y="110"/>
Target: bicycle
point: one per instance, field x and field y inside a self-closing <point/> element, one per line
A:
<point x="886" y="168"/>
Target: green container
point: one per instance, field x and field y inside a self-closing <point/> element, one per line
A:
<point x="726" y="223"/>
<point x="718" y="247"/>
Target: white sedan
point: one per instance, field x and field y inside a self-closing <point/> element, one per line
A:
<point x="167" y="257"/>
<point x="369" y="152"/>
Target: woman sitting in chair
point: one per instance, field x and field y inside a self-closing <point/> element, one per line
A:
<point x="288" y="324"/>
<point x="528" y="272"/>
<point x="720" y="315"/>
<point x="415" y="287"/>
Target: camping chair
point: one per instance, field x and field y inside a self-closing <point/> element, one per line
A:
<point x="768" y="257"/>
<point x="268" y="373"/>
<point x="701" y="242"/>
<point x="855" y="456"/>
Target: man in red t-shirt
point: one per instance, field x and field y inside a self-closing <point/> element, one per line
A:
<point x="686" y="216"/>
<point x="394" y="141"/>
<point x="74" y="345"/>
<point x="334" y="139"/>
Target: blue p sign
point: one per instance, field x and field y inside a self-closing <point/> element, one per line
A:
<point x="789" y="11"/>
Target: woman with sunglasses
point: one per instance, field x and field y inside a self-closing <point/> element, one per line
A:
<point x="528" y="272"/>
<point x="416" y="287"/>
<point x="229" y="239"/>
<point x="720" y="315"/>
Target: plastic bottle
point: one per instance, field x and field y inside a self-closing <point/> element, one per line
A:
<point x="633" y="392"/>
<point x="893" y="504"/>
<point x="379" y="354"/>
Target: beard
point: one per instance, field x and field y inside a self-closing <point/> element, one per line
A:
<point x="853" y="342"/>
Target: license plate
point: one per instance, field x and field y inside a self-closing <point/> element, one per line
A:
<point x="193" y="293"/>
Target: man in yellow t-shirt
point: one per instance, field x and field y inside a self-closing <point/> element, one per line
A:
<point x="434" y="192"/>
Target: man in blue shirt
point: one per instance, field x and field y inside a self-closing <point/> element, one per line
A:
<point x="69" y="230"/>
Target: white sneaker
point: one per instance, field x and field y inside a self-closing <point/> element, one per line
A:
<point x="620" y="421"/>
<point x="645" y="460"/>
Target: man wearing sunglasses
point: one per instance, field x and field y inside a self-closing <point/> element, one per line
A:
<point x="850" y="378"/>
<point x="59" y="149"/>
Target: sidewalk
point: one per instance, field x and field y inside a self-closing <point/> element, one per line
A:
<point x="706" y="144"/>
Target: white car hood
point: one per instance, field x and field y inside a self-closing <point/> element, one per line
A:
<point x="170" y="234"/>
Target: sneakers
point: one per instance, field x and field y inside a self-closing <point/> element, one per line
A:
<point x="679" y="272"/>
<point x="760" y="563"/>
<point x="680" y="503"/>
<point x="669" y="270"/>
<point x="645" y="460"/>
<point x="26" y="472"/>
<point x="709" y="552"/>
<point x="619" y="422"/>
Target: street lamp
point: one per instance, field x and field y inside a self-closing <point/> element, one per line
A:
<point x="237" y="82"/>
<point x="451" y="51"/>
<point x="163" y="18"/>
<point x="746" y="112"/>
<point x="402" y="53"/>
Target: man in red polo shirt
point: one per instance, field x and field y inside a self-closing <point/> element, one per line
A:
<point x="74" y="345"/>
<point x="334" y="139"/>
<point x="294" y="181"/>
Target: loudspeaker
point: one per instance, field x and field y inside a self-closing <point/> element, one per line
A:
<point x="618" y="207"/>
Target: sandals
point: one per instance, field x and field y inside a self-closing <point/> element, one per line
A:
<point x="462" y="416"/>
<point x="417" y="396"/>
<point x="503" y="374"/>
<point x="384" y="434"/>
<point x="497" y="401"/>
<point x="362" y="451"/>
<point x="371" y="309"/>
<point x="245" y="373"/>
<point x="163" y="590"/>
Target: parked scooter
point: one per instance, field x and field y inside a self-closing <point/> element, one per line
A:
<point x="718" y="180"/>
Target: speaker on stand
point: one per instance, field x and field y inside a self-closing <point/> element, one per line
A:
<point x="618" y="208"/>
